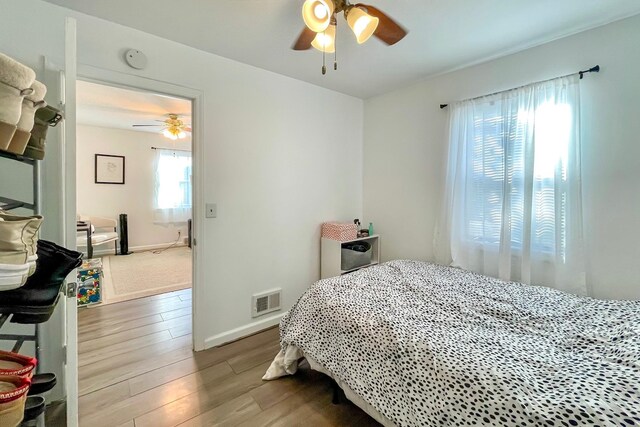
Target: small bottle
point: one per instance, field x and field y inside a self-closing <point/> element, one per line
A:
<point x="370" y="229"/>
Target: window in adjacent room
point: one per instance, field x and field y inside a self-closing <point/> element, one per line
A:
<point x="172" y="197"/>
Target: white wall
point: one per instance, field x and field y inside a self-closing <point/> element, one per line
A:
<point x="273" y="171"/>
<point x="405" y="149"/>
<point x="135" y="197"/>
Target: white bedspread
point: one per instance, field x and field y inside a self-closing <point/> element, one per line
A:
<point x="428" y="345"/>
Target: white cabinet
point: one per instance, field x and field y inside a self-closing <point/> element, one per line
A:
<point x="331" y="255"/>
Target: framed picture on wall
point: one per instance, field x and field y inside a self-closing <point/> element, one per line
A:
<point x="109" y="169"/>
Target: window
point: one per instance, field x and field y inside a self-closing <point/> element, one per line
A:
<point x="513" y="198"/>
<point x="172" y="198"/>
<point x="499" y="151"/>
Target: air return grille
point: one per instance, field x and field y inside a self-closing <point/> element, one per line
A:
<point x="266" y="302"/>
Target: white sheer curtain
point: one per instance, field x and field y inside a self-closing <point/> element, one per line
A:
<point x="512" y="205"/>
<point x="172" y="195"/>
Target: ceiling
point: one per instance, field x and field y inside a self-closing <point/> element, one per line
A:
<point x="443" y="34"/>
<point x="113" y="107"/>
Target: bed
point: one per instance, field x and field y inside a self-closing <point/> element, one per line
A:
<point x="419" y="344"/>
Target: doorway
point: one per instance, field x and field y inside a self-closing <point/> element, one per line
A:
<point x="133" y="193"/>
<point x="147" y="302"/>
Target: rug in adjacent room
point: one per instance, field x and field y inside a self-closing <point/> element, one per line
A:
<point x="144" y="274"/>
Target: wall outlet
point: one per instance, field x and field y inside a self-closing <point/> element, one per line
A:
<point x="211" y="210"/>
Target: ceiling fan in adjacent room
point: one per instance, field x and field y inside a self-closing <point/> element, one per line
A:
<point x="173" y="127"/>
<point x="320" y="18"/>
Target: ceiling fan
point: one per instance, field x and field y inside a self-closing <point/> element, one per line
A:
<point x="364" y="20"/>
<point x="173" y="127"/>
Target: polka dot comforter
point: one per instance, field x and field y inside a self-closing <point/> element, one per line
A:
<point x="428" y="345"/>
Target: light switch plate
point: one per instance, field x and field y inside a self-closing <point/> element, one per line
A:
<point x="212" y="210"/>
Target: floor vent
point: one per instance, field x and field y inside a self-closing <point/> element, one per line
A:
<point x="266" y="302"/>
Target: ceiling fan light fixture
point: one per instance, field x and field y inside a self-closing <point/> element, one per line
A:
<point x="361" y="23"/>
<point x="326" y="41"/>
<point x="174" y="133"/>
<point x="317" y="14"/>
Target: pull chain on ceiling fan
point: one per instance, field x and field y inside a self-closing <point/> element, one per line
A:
<point x="364" y="20"/>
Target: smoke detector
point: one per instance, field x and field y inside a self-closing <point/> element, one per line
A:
<point x="135" y="59"/>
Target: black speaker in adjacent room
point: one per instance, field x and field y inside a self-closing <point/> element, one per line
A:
<point x="124" y="235"/>
<point x="189" y="232"/>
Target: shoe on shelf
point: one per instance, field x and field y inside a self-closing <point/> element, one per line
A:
<point x="30" y="104"/>
<point x="17" y="364"/>
<point x="35" y="301"/>
<point x="30" y="306"/>
<point x="45" y="117"/>
<point x="54" y="263"/>
<point x="42" y="383"/>
<point x="33" y="408"/>
<point x="17" y="258"/>
<point x="13" y="396"/>
<point x="30" y="226"/>
<point x="12" y="276"/>
<point x="16" y="80"/>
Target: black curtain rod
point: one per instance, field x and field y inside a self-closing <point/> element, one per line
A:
<point x="169" y="149"/>
<point x="595" y="69"/>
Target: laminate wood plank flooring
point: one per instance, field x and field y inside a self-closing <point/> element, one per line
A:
<point x="137" y="369"/>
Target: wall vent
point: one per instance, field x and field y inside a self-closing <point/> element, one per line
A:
<point x="265" y="302"/>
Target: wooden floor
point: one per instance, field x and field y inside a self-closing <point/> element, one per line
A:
<point x="137" y="369"/>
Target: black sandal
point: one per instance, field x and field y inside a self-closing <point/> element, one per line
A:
<point x="42" y="383"/>
<point x="33" y="408"/>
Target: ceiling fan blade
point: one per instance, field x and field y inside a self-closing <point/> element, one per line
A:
<point x="388" y="30"/>
<point x="304" y="40"/>
<point x="157" y="126"/>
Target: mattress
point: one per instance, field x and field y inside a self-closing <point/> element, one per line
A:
<point x="420" y="344"/>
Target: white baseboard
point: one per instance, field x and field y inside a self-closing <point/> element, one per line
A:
<point x="142" y="248"/>
<point x="154" y="247"/>
<point x="242" y="331"/>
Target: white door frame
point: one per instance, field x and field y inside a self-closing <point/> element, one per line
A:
<point x="128" y="81"/>
<point x="68" y="83"/>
